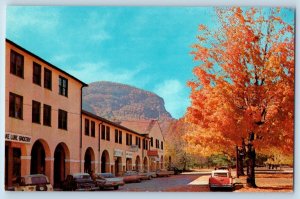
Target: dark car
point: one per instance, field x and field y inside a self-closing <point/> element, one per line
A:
<point x="108" y="180"/>
<point x="79" y="182"/>
<point x="131" y="176"/>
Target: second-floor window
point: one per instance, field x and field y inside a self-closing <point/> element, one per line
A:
<point x="87" y="127"/>
<point x="103" y="132"/>
<point x="62" y="119"/>
<point x="120" y="137"/>
<point x="107" y="133"/>
<point x="157" y="143"/>
<point x="128" y="139"/>
<point x="37" y="73"/>
<point x="93" y="128"/>
<point x="116" y="136"/>
<point x="151" y="142"/>
<point x="47" y="115"/>
<point x="15" y="106"/>
<point x="16" y="64"/>
<point x="36" y="112"/>
<point x="47" y="79"/>
<point x="162" y="145"/>
<point x="63" y="86"/>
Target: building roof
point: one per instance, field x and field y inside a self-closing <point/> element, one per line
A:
<point x="145" y="127"/>
<point x="112" y="123"/>
<point x="44" y="61"/>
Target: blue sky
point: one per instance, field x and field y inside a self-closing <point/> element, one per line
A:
<point x="143" y="47"/>
<point x="146" y="47"/>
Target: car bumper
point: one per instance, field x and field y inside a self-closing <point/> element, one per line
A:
<point x="221" y="186"/>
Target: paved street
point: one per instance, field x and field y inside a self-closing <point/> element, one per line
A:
<point x="181" y="183"/>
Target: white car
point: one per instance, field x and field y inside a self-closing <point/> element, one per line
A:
<point x="36" y="182"/>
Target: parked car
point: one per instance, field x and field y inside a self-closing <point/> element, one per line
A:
<point x="131" y="176"/>
<point x="221" y="179"/>
<point x="79" y="182"/>
<point x="107" y="180"/>
<point x="145" y="175"/>
<point x="35" y="182"/>
<point x="164" y="173"/>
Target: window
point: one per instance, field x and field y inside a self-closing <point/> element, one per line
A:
<point x="16" y="64"/>
<point x="130" y="139"/>
<point x="116" y="136"/>
<point x="36" y="112"/>
<point x="151" y="142"/>
<point x="15" y="106"/>
<point x="93" y="128"/>
<point x="47" y="79"/>
<point x="63" y="86"/>
<point x="47" y="115"/>
<point x="157" y="143"/>
<point x="107" y="133"/>
<point x="162" y="145"/>
<point x="103" y="132"/>
<point x="62" y="119"/>
<point x="144" y="145"/>
<point x="37" y="72"/>
<point x="136" y="141"/>
<point x="87" y="127"/>
<point x="120" y="137"/>
<point x="127" y="139"/>
<point x="139" y="143"/>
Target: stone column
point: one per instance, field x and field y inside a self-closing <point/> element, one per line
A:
<point x="49" y="170"/>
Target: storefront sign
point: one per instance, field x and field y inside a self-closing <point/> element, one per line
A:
<point x="118" y="153"/>
<point x="13" y="137"/>
<point x="134" y="148"/>
<point x="128" y="154"/>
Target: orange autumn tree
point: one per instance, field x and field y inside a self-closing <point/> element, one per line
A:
<point x="244" y="82"/>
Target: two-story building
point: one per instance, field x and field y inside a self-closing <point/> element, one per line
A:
<point x="111" y="147"/>
<point x="152" y="130"/>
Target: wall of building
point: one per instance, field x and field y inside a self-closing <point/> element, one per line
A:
<point x="49" y="136"/>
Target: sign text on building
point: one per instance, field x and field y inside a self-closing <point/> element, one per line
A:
<point x="17" y="137"/>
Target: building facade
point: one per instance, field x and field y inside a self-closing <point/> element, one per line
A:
<point x="152" y="130"/>
<point x="47" y="132"/>
<point x="43" y="111"/>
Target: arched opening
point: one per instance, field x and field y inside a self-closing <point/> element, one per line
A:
<point x="161" y="162"/>
<point x="105" y="162"/>
<point x="89" y="157"/>
<point x="137" y="163"/>
<point x="61" y="167"/>
<point x="145" y="164"/>
<point x="118" y="166"/>
<point x="38" y="155"/>
<point x="128" y="164"/>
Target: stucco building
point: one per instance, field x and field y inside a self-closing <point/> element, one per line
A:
<point x="46" y="130"/>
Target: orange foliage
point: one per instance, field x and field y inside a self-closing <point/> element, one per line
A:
<point x="244" y="83"/>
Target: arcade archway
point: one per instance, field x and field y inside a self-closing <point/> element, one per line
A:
<point x="89" y="160"/>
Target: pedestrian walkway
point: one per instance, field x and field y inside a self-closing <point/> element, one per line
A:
<point x="202" y="180"/>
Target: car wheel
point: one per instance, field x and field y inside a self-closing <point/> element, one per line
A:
<point x="116" y="187"/>
<point x="41" y="188"/>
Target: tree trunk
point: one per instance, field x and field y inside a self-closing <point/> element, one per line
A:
<point x="251" y="156"/>
<point x="239" y="163"/>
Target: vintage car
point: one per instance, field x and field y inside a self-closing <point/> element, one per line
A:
<point x="131" y="176"/>
<point x="35" y="182"/>
<point x="79" y="182"/>
<point x="108" y="180"/>
<point x="145" y="175"/>
<point x="164" y="173"/>
<point x="221" y="179"/>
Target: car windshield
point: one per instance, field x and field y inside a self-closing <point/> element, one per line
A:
<point x="81" y="177"/>
<point x="107" y="175"/>
<point x="36" y="180"/>
<point x="220" y="174"/>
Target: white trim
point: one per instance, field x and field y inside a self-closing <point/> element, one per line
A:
<point x="25" y="157"/>
<point x="71" y="160"/>
<point x="49" y="159"/>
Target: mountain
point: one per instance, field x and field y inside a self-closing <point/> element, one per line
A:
<point x="117" y="102"/>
